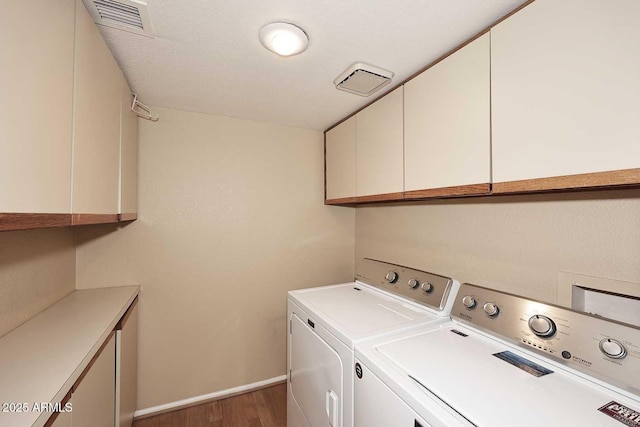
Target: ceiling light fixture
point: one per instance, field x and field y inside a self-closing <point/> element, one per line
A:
<point x="283" y="38"/>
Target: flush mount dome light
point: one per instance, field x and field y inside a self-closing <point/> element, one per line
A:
<point x="283" y="39"/>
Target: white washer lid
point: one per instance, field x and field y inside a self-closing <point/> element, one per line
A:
<point x="357" y="311"/>
<point x="464" y="373"/>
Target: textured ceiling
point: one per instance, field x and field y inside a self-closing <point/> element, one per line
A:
<point x="206" y="56"/>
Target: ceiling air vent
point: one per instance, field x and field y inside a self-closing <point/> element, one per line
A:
<point x="127" y="15"/>
<point x="363" y="79"/>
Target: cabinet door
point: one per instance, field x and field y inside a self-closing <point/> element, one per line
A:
<point x="447" y="125"/>
<point x="340" y="162"/>
<point x="128" y="206"/>
<point x="94" y="396"/>
<point x="379" y="148"/>
<point x="565" y="90"/>
<point x="127" y="367"/>
<point x="36" y="71"/>
<point x="96" y="138"/>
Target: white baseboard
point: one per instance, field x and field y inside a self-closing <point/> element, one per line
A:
<point x="217" y="395"/>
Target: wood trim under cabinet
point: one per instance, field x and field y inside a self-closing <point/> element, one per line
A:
<point x="388" y="197"/>
<point x="127" y="216"/>
<point x="86" y="219"/>
<point x="580" y="181"/>
<point x="24" y="221"/>
<point x="341" y="201"/>
<point x="455" y="191"/>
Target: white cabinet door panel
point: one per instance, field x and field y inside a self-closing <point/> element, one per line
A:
<point x="340" y="152"/>
<point x="379" y="146"/>
<point x="447" y="121"/>
<point x="565" y="89"/>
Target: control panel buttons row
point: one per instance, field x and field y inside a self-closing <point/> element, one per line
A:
<point x="490" y="308"/>
<point x="392" y="277"/>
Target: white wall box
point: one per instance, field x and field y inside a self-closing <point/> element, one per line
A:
<point x="447" y="126"/>
<point x="36" y="112"/>
<point x="565" y="90"/>
<point x="96" y="130"/>
<point x="379" y="149"/>
<point x="340" y="163"/>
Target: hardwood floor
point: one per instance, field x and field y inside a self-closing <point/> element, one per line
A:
<point x="261" y="408"/>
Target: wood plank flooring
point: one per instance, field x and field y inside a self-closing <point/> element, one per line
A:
<point x="261" y="408"/>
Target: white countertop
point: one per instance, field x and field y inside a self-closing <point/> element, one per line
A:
<point x="41" y="359"/>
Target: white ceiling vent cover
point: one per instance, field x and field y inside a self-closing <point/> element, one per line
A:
<point x="127" y="15"/>
<point x="363" y="79"/>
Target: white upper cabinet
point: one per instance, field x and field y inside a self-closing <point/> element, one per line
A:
<point x="340" y="162"/>
<point x="565" y="88"/>
<point x="379" y="147"/>
<point x="128" y="206"/>
<point x="97" y="110"/>
<point x="447" y="125"/>
<point x="36" y="71"/>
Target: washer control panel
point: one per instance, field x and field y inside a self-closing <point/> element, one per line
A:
<point x="604" y="348"/>
<point x="420" y="286"/>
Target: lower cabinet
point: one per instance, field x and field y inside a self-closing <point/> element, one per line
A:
<point x="94" y="396"/>
<point x="105" y="393"/>
<point x="127" y="367"/>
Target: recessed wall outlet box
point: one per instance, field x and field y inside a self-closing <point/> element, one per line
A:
<point x="127" y="15"/>
<point x="363" y="79"/>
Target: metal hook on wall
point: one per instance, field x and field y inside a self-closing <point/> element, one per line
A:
<point x="146" y="111"/>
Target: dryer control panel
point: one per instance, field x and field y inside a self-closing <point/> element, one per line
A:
<point x="420" y="286"/>
<point x="603" y="348"/>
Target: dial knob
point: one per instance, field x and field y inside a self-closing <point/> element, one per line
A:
<point x="542" y="326"/>
<point x="427" y="287"/>
<point x="491" y="309"/>
<point x="613" y="348"/>
<point x="469" y="301"/>
<point x="391" y="276"/>
<point x="413" y="283"/>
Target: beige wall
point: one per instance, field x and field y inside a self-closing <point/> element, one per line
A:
<point x="230" y="218"/>
<point x="37" y="268"/>
<point x="517" y="244"/>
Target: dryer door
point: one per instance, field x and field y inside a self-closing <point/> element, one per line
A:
<point x="316" y="376"/>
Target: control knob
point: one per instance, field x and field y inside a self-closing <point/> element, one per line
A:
<point x="427" y="287"/>
<point x="491" y="309"/>
<point x="391" y="276"/>
<point x="542" y="326"/>
<point x="613" y="348"/>
<point x="413" y="283"/>
<point x="469" y="301"/>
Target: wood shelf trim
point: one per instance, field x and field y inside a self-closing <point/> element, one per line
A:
<point x="455" y="191"/>
<point x="615" y="178"/>
<point x="341" y="201"/>
<point x="127" y="216"/>
<point x="25" y="221"/>
<point x="86" y="219"/>
<point x="388" y="197"/>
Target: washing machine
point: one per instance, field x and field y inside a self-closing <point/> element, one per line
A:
<point x="325" y="323"/>
<point x="502" y="361"/>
